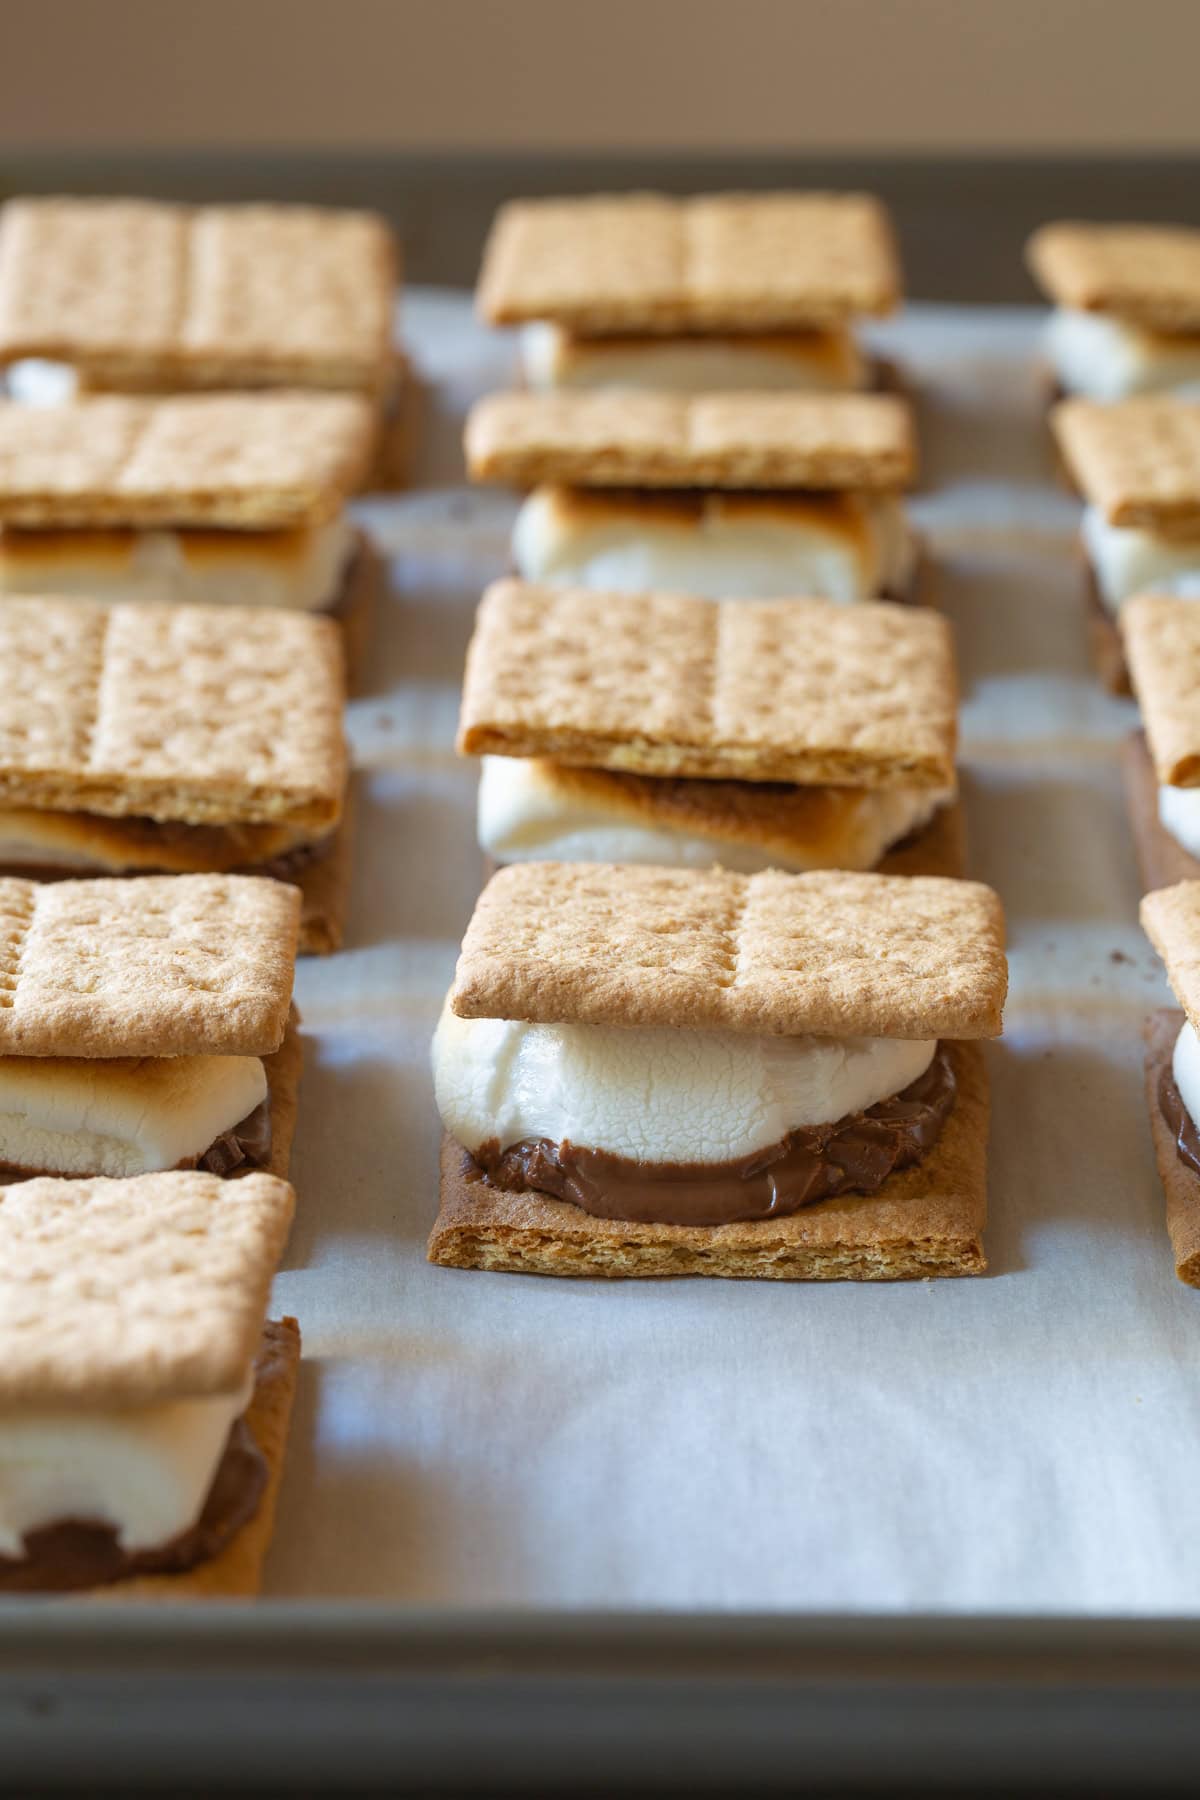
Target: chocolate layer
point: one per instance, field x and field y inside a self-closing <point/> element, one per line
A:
<point x="83" y="1553"/>
<point x="1179" y="1119"/>
<point x="855" y="1154"/>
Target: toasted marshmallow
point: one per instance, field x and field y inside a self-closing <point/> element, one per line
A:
<point x="1179" y="814"/>
<point x="801" y="361"/>
<point x="1185" y="1066"/>
<point x="32" y="839"/>
<point x="301" y="570"/>
<point x="146" y="1471"/>
<point x="533" y="810"/>
<point x="121" y="1115"/>
<point x="842" y="547"/>
<point x="1127" y="562"/>
<point x="1103" y="358"/>
<point x="655" y="1095"/>
<point x="34" y="381"/>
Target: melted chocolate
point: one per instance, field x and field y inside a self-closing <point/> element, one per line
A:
<point x="83" y="1553"/>
<point x="1179" y="1119"/>
<point x="855" y="1154"/>
<point x="249" y="1143"/>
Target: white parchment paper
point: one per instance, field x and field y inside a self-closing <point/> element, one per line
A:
<point x="1025" y="1441"/>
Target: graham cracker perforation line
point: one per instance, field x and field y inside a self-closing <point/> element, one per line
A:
<point x="12" y="951"/>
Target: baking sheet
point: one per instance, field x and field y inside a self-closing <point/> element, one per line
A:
<point x="1023" y="1442"/>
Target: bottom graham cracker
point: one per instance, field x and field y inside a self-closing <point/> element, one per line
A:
<point x="925" y="1221"/>
<point x="1181" y="1185"/>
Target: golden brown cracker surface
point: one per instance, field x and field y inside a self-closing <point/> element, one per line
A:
<point x="828" y="953"/>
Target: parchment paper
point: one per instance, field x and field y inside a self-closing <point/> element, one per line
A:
<point x="1029" y="1440"/>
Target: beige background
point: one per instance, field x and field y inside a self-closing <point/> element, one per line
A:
<point x="986" y="75"/>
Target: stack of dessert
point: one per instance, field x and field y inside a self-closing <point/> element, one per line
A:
<point x="180" y="587"/>
<point x="720" y="1014"/>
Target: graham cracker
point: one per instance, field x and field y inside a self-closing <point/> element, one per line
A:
<point x="283" y="1071"/>
<point x="648" y="263"/>
<point x="192" y="714"/>
<point x="829" y="953"/>
<point x="628" y="438"/>
<point x="127" y="1292"/>
<point x="1162" y="860"/>
<point x="137" y="292"/>
<point x="1149" y="274"/>
<point x="236" y="1573"/>
<point x="800" y="827"/>
<point x="1170" y="918"/>
<point x="1162" y="644"/>
<point x="1104" y="638"/>
<point x="152" y="965"/>
<point x="1137" y="460"/>
<point x="1181" y="1185"/>
<point x="238" y="461"/>
<point x="926" y="1220"/>
<point x="661" y="684"/>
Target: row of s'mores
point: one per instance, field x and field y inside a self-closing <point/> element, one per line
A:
<point x="147" y="297"/>
<point x="149" y="1067"/>
<point x="691" y="1032"/>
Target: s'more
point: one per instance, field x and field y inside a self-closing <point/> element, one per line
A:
<point x="143" y="296"/>
<point x="751" y="496"/>
<point x="1137" y="465"/>
<point x="215" y="499"/>
<point x="1171" y="920"/>
<point x="647" y="1071"/>
<point x="1126" y="316"/>
<point x="177" y="740"/>
<point x="717" y="291"/>
<point x="660" y="728"/>
<point x="146" y="1026"/>
<point x="144" y="1402"/>
<point x="1161" y="763"/>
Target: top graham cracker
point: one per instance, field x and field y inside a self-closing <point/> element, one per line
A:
<point x="1148" y="274"/>
<point x="833" y="954"/>
<point x="150" y="965"/>
<point x="136" y="293"/>
<point x="1162" y="647"/>
<point x="613" y="264"/>
<point x="118" y="1293"/>
<point x="659" y="684"/>
<point x="200" y="715"/>
<point x="236" y="461"/>
<point x="634" y="439"/>
<point x="1171" y="920"/>
<point x="1137" y="460"/>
